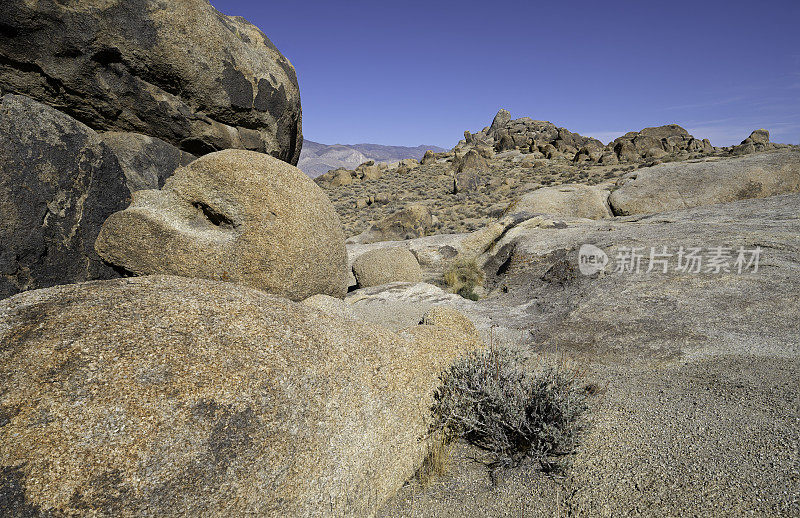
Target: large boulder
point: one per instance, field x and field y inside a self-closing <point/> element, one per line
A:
<point x="469" y="171"/>
<point x="386" y="265"/>
<point x="185" y="397"/>
<point x="58" y="183"/>
<point x="146" y="161"/>
<point x="233" y="215"/>
<point x="675" y="186"/>
<point x="407" y="223"/>
<point x="124" y="65"/>
<point x="578" y="201"/>
<point x="757" y="141"/>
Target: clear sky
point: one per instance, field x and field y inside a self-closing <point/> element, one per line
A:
<point x="411" y="72"/>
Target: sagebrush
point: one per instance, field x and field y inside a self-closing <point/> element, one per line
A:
<point x="491" y="400"/>
<point x="463" y="276"/>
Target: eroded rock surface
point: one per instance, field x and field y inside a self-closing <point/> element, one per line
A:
<point x="58" y="183"/>
<point x="677" y="186"/>
<point x="124" y="65"/>
<point x="237" y="216"/>
<point x="173" y="396"/>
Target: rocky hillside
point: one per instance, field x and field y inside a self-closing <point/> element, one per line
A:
<point x="317" y="159"/>
<point x="466" y="187"/>
<point x="185" y="329"/>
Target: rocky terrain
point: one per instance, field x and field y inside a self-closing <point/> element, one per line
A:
<point x="190" y="325"/>
<point x="317" y="159"/>
<point x="515" y="157"/>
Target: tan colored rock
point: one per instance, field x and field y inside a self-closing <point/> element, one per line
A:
<point x="578" y="201"/>
<point x="409" y="163"/>
<point x="450" y="318"/>
<point x="675" y="186"/>
<point x="169" y="396"/>
<point x="760" y="136"/>
<point x="469" y="171"/>
<point x="331" y="306"/>
<point x="386" y="265"/>
<point x="234" y="215"/>
<point x="407" y="223"/>
<point x="341" y="177"/>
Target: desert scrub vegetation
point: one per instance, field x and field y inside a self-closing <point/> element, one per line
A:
<point x="463" y="276"/>
<point x="491" y="400"/>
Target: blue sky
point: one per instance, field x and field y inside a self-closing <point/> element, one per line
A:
<point x="410" y="72"/>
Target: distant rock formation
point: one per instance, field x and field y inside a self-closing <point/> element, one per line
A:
<point x="126" y="66"/>
<point x="757" y="141"/>
<point x="656" y="143"/>
<point x="530" y="136"/>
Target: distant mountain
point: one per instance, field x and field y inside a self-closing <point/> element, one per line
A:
<point x="317" y="159"/>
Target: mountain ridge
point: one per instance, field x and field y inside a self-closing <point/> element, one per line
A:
<point x="317" y="158"/>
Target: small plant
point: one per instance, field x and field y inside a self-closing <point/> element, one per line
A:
<point x="438" y="460"/>
<point x="463" y="276"/>
<point x="490" y="400"/>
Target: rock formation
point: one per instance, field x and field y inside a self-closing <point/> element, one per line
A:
<point x="58" y="184"/>
<point x="172" y="396"/>
<point x="657" y="142"/>
<point x="410" y="222"/>
<point x="124" y="66"/>
<point x="386" y="265"/>
<point x="577" y="201"/>
<point x="233" y="215"/>
<point x="146" y="161"/>
<point x="676" y="186"/>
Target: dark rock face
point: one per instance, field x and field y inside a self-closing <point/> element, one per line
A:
<point x="178" y="71"/>
<point x="58" y="183"/>
<point x="146" y="161"/>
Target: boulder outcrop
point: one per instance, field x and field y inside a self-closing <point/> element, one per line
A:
<point x="407" y="223"/>
<point x="676" y="186"/>
<point x="237" y="216"/>
<point x="124" y="66"/>
<point x="58" y="183"/>
<point x="577" y="201"/>
<point x="656" y="142"/>
<point x="386" y="265"/>
<point x="173" y="396"/>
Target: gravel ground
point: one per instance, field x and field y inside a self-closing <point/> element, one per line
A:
<point x="716" y="437"/>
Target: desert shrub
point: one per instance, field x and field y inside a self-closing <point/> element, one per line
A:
<point x="463" y="276"/>
<point x="491" y="400"/>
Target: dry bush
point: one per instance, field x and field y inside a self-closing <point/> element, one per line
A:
<point x="463" y="276"/>
<point x="491" y="400"/>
